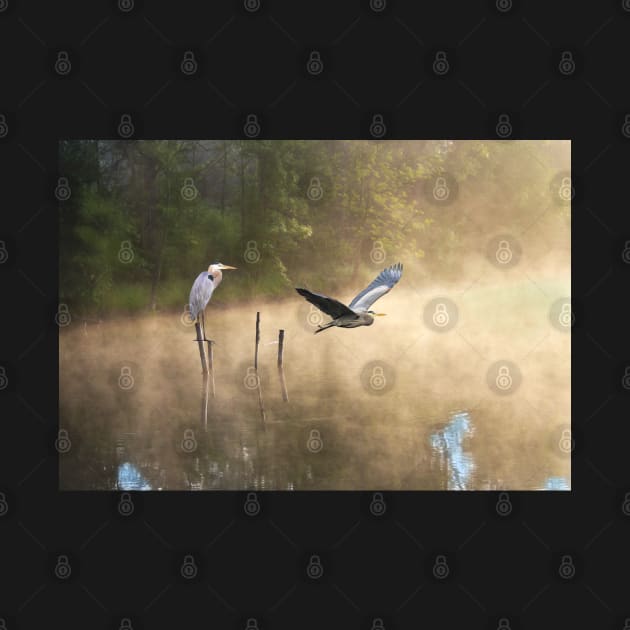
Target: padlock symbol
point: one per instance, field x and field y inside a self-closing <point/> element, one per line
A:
<point x="315" y="190"/>
<point x="625" y="255"/>
<point x="314" y="443"/>
<point x="504" y="126"/>
<point x="189" y="443"/>
<point x="125" y="5"/>
<point x="441" y="317"/>
<point x="440" y="568"/>
<point x="625" y="128"/>
<point x="378" y="624"/>
<point x="377" y="255"/>
<point x="126" y="380"/>
<point x="314" y="65"/>
<point x="252" y="253"/>
<point x="314" y="317"/>
<point x="4" y="379"/>
<point x="125" y="505"/>
<point x="189" y="63"/>
<point x="251" y="378"/>
<point x="378" y="380"/>
<point x="189" y="568"/>
<point x="4" y="506"/>
<point x="63" y="570"/>
<point x="4" y="128"/>
<point x="3" y="623"/>
<point x="440" y="63"/>
<point x="566" y="568"/>
<point x="378" y="128"/>
<point x="566" y="443"/>
<point x="189" y="190"/>
<point x="625" y="506"/>
<point x="186" y="317"/>
<point x="503" y="254"/>
<point x="63" y="443"/>
<point x="626" y="624"/>
<point x="314" y="570"/>
<point x="63" y="190"/>
<point x="441" y="191"/>
<point x="252" y="624"/>
<point x="504" y="624"/>
<point x="125" y="624"/>
<point x="565" y="318"/>
<point x="126" y="253"/>
<point x="62" y="63"/>
<point x="251" y="5"/>
<point x="252" y="127"/>
<point x="504" y="505"/>
<point x="63" y="317"/>
<point x="4" y="254"/>
<point x="625" y="380"/>
<point x="567" y="63"/>
<point x="504" y="378"/>
<point x="566" y="190"/>
<point x="504" y="5"/>
<point x="377" y="505"/>
<point x="125" y="127"/>
<point x="252" y="506"/>
<point x="378" y="5"/>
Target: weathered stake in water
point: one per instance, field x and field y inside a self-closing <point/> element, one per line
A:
<point x="283" y="385"/>
<point x="260" y="398"/>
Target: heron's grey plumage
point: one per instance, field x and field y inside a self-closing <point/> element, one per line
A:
<point x="382" y="284"/>
<point x="200" y="294"/>
<point x="358" y="313"/>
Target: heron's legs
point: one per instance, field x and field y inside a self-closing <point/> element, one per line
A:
<point x="203" y="326"/>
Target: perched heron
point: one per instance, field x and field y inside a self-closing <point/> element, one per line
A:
<point x="358" y="313"/>
<point x="202" y="289"/>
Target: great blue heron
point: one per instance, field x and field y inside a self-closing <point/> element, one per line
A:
<point x="358" y="313"/>
<point x="202" y="289"/>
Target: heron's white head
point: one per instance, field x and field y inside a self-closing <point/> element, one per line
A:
<point x="215" y="269"/>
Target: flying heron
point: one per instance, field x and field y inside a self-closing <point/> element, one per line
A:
<point x="358" y="313"/>
<point x="202" y="289"/>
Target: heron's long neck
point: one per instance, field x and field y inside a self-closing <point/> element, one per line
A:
<point x="217" y="276"/>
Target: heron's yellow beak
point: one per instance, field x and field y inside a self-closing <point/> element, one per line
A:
<point x="228" y="267"/>
<point x="380" y="314"/>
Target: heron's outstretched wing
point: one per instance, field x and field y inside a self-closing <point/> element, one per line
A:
<point x="200" y="294"/>
<point x="330" y="306"/>
<point x="381" y="285"/>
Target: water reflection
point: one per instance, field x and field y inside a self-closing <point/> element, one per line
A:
<point x="130" y="478"/>
<point x="448" y="450"/>
<point x="556" y="483"/>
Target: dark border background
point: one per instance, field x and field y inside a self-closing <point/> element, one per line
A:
<point x="503" y="57"/>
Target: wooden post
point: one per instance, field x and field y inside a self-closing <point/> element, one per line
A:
<point x="202" y="355"/>
<point x="211" y="364"/>
<point x="261" y="405"/>
<point x="257" y="340"/>
<point x="283" y="385"/>
<point x="204" y="403"/>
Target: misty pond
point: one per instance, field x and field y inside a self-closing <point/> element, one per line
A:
<point x="410" y="403"/>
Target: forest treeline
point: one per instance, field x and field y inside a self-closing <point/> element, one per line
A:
<point x="143" y="218"/>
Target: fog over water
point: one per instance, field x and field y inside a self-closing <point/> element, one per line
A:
<point x="410" y="402"/>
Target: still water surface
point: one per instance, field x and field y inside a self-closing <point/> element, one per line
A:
<point x="393" y="406"/>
